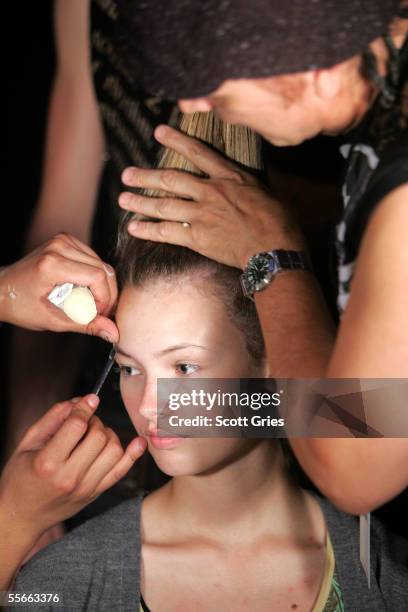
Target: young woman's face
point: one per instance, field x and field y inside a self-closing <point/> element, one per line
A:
<point x="174" y="330"/>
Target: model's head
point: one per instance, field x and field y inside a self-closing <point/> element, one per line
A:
<point x="181" y="315"/>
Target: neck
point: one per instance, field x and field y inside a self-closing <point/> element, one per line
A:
<point x="245" y="494"/>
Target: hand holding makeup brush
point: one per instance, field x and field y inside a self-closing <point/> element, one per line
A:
<point x="64" y="461"/>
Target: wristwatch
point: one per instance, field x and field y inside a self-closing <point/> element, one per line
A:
<point x="263" y="267"/>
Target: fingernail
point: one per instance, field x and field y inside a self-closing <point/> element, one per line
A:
<point x="109" y="270"/>
<point x="106" y="336"/>
<point x="92" y="401"/>
<point x="124" y="199"/>
<point x="128" y="175"/>
<point x="140" y="444"/>
<point x="133" y="226"/>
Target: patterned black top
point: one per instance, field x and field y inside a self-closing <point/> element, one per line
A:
<point x="129" y="114"/>
<point x="377" y="162"/>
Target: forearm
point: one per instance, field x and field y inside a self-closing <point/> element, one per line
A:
<point x="299" y="336"/>
<point x="74" y="141"/>
<point x="297" y="327"/>
<point x="15" y="543"/>
<point x="74" y="146"/>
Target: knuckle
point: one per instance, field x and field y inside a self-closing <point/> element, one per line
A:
<point x="169" y="179"/>
<point x="95" y="421"/>
<point x="59" y="407"/>
<point x="196" y="149"/>
<point x="48" y="261"/>
<point x="237" y="176"/>
<point x="66" y="484"/>
<point x="92" y="329"/>
<point x="99" y="275"/>
<point x="98" y="436"/>
<point x="83" y="494"/>
<point x="61" y="235"/>
<point x="77" y="422"/>
<point x="113" y="435"/>
<point x="162" y="230"/>
<point x="59" y="240"/>
<point x="44" y="466"/>
<point x="118" y="473"/>
<point x="162" y="207"/>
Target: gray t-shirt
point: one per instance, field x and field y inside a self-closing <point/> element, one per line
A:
<point x="96" y="566"/>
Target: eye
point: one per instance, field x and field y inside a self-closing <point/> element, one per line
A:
<point x="186" y="368"/>
<point x="127" y="371"/>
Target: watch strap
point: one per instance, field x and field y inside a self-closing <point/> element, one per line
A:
<point x="291" y="260"/>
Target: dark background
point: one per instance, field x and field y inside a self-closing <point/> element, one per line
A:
<point x="29" y="62"/>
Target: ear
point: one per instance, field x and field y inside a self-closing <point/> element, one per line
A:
<point x="327" y="82"/>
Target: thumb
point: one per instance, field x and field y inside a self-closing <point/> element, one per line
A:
<point x="99" y="326"/>
<point x="104" y="328"/>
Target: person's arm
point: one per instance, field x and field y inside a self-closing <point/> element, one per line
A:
<point x="360" y="475"/>
<point x="73" y="164"/>
<point x="74" y="146"/>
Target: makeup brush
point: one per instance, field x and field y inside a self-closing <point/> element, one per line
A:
<point x="106" y="369"/>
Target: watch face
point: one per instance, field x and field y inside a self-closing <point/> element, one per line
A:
<point x="260" y="270"/>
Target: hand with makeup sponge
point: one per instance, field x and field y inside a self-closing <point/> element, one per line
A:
<point x="63" y="267"/>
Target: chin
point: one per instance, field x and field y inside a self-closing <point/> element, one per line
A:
<point x="185" y="459"/>
<point x="173" y="464"/>
<point x="285" y="142"/>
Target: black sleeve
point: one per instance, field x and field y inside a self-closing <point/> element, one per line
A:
<point x="391" y="172"/>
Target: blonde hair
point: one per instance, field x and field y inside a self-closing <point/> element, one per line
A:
<point x="236" y="142"/>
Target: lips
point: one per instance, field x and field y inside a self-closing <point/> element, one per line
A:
<point x="158" y="440"/>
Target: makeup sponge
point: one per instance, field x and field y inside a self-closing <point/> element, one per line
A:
<point x="80" y="306"/>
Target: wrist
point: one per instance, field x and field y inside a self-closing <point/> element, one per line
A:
<point x="285" y="242"/>
<point x="16" y="531"/>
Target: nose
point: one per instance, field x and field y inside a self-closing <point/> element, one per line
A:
<point x="195" y="105"/>
<point x="148" y="401"/>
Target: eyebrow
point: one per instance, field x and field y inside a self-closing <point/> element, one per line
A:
<point x="165" y="351"/>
